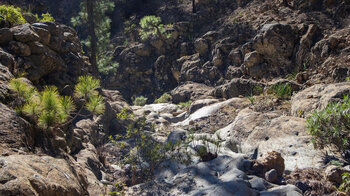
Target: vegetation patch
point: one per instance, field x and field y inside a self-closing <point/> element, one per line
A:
<point x="48" y="109"/>
<point x="184" y="105"/>
<point x="282" y="91"/>
<point x="140" y="101"/>
<point x="12" y="14"/>
<point x="151" y="26"/>
<point x="331" y="126"/>
<point x="165" y="98"/>
<point x="345" y="186"/>
<point x="143" y="152"/>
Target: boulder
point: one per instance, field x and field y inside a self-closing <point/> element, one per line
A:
<point x="269" y="162"/>
<point x="235" y="57"/>
<point x="254" y="64"/>
<point x="274" y="47"/>
<point x="176" y="136"/>
<point x="15" y="132"/>
<point x="190" y="91"/>
<point x="141" y="49"/>
<point x="258" y="133"/>
<point x="5" y="36"/>
<point x="43" y="32"/>
<point x="201" y="46"/>
<point x="41" y="175"/>
<point x="50" y="61"/>
<point x="237" y="87"/>
<point x="190" y="68"/>
<point x="7" y="60"/>
<point x="318" y="97"/>
<point x="289" y="190"/>
<point x="5" y="76"/>
<point x="233" y="72"/>
<point x="275" y="40"/>
<point x="92" y="169"/>
<point x="271" y="176"/>
<point x="196" y="105"/>
<point x="24" y="33"/>
<point x="19" y="48"/>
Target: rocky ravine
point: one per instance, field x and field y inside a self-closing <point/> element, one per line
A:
<point x="254" y="144"/>
<point x="216" y="59"/>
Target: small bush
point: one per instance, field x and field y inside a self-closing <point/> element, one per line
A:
<point x="12" y="14"/>
<point x="46" y="18"/>
<point x="140" y="146"/>
<point x="281" y="90"/>
<point x="165" y="98"/>
<point x="140" y="101"/>
<point x="331" y="126"/>
<point x="185" y="104"/>
<point x="106" y="65"/>
<point x="151" y="26"/>
<point x="345" y="186"/>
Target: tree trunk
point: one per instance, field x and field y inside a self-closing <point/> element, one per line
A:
<point x="93" y="44"/>
<point x="194" y="10"/>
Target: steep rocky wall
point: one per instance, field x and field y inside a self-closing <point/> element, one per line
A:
<point x="46" y="53"/>
<point x="260" y="40"/>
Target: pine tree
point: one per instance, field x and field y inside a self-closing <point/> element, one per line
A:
<point x="49" y="109"/>
<point x="93" y="14"/>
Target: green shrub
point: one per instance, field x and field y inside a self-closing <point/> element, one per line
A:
<point x="345" y="185"/>
<point x="48" y="108"/>
<point x="139" y="146"/>
<point x="151" y="26"/>
<point x="185" y="104"/>
<point x="143" y="146"/>
<point x="46" y="18"/>
<point x="140" y="101"/>
<point x="12" y="14"/>
<point x="165" y="98"/>
<point x="106" y="65"/>
<point x="281" y="90"/>
<point x="331" y="126"/>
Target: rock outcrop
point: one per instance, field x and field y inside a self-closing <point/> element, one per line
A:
<point x="47" y="53"/>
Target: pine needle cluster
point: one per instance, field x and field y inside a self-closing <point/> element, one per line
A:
<point x="48" y="108"/>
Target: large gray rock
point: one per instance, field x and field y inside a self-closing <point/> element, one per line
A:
<point x="318" y="97"/>
<point x="5" y="76"/>
<point x="5" y="36"/>
<point x="190" y="91"/>
<point x="201" y="46"/>
<point x="24" y="33"/>
<point x="15" y="132"/>
<point x="41" y="175"/>
<point x="7" y="59"/>
<point x="260" y="133"/>
<point x="287" y="190"/>
<point x="237" y="87"/>
<point x="274" y="47"/>
<point x="221" y="176"/>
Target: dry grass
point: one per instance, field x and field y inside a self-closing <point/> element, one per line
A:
<point x="314" y="178"/>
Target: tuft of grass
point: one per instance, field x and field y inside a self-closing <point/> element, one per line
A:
<point x="251" y="99"/>
<point x="281" y="90"/>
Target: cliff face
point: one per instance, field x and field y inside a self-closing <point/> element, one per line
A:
<point x="224" y="58"/>
<point x="226" y="40"/>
